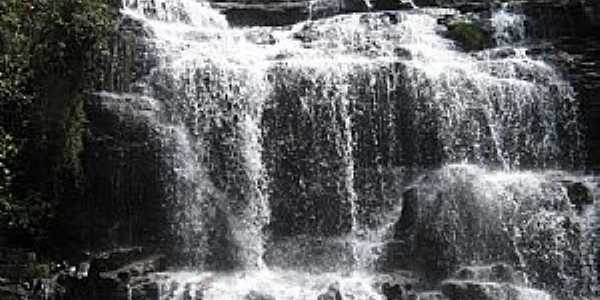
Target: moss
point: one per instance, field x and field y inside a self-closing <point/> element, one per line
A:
<point x="29" y="271"/>
<point x="469" y="36"/>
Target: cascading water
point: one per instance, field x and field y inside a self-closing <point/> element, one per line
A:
<point x="288" y="149"/>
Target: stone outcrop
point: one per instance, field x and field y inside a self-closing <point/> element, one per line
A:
<point x="254" y="295"/>
<point x="491" y="282"/>
<point x="458" y="218"/>
<point x="571" y="27"/>
<point x="279" y="13"/>
<point x="332" y="293"/>
<point x="126" y="273"/>
<point x="474" y="290"/>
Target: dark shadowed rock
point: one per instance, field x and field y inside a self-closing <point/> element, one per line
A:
<point x="261" y="37"/>
<point x="279" y="13"/>
<point x="495" y="273"/>
<point x="392" y="291"/>
<point x="473" y="290"/>
<point x="402" y="53"/>
<point x="332" y="293"/>
<point x="114" y="259"/>
<point x="391" y="4"/>
<point x="579" y="194"/>
<point x="254" y="295"/>
<point x="470" y="35"/>
<point x="408" y="218"/>
<point x="432" y="295"/>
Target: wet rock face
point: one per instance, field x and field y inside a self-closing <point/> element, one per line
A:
<point x="309" y="255"/>
<point x="121" y="158"/>
<point x="470" y="35"/>
<point x="126" y="273"/>
<point x="280" y="13"/>
<point x="470" y="290"/>
<point x="450" y="212"/>
<point x="123" y="205"/>
<point x="495" y="273"/>
<point x="132" y="56"/>
<point x="579" y="194"/>
<point x="254" y="295"/>
<point x="332" y="293"/>
<point x="572" y="27"/>
<point x="489" y="282"/>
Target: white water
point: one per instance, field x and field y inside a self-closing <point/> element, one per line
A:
<point x="509" y="26"/>
<point x="507" y="112"/>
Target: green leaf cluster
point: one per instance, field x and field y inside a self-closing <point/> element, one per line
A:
<point x="49" y="58"/>
<point x="469" y="36"/>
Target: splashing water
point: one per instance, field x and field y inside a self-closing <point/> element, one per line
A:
<point x="509" y="26"/>
<point x="281" y="140"/>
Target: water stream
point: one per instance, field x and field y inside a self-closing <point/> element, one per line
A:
<point x="290" y="147"/>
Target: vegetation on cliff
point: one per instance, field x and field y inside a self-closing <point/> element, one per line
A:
<point x="49" y="51"/>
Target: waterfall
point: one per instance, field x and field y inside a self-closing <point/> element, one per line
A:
<point x="509" y="27"/>
<point x="288" y="151"/>
<point x="212" y="117"/>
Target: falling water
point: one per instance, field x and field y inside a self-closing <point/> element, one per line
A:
<point x="288" y="147"/>
<point x="509" y="27"/>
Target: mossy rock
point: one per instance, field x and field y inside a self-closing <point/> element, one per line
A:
<point x="391" y="4"/>
<point x="27" y="272"/>
<point x="469" y="36"/>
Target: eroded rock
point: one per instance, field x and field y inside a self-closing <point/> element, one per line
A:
<point x="255" y="295"/>
<point x="494" y="273"/>
<point x="332" y="293"/>
<point x="473" y="290"/>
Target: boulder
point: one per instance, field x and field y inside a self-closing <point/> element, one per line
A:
<point x="280" y="13"/>
<point x="254" y="295"/>
<point x="579" y="194"/>
<point x="470" y="35"/>
<point x="332" y="293"/>
<point x="392" y="4"/>
<point x="399" y="291"/>
<point x="474" y="290"/>
<point x="409" y="215"/>
<point x="141" y="267"/>
<point x="494" y="273"/>
<point x="114" y="259"/>
<point x="392" y="291"/>
<point x="432" y="295"/>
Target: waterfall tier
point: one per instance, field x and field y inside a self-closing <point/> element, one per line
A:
<point x="294" y="149"/>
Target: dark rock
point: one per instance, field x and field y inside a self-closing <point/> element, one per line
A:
<point x="332" y="293"/>
<point x="541" y="49"/>
<point x="280" y="13"/>
<point x="571" y="27"/>
<point x="392" y="291"/>
<point x="472" y="290"/>
<point x="254" y="295"/>
<point x="141" y="267"/>
<point x="432" y="295"/>
<point x="497" y="53"/>
<point x="495" y="273"/>
<point x="464" y="6"/>
<point x="579" y="194"/>
<point x="470" y="35"/>
<point x="402" y="53"/>
<point x="410" y="211"/>
<point x="114" y="259"/>
<point x="261" y="37"/>
<point x="310" y="255"/>
<point x="13" y="292"/>
<point x="391" y="4"/>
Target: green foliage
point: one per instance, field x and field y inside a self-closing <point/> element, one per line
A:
<point x="469" y="36"/>
<point x="49" y="51"/>
<point x="8" y="151"/>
